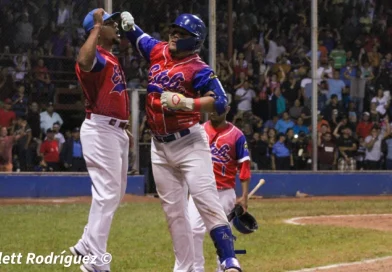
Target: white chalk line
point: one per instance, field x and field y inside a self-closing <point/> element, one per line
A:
<point x="293" y="221"/>
<point x="44" y="201"/>
<point x="367" y="261"/>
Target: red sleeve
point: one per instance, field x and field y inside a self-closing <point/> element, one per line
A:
<point x="42" y="148"/>
<point x="244" y="170"/>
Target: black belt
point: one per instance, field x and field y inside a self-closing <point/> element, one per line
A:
<point x="112" y="122"/>
<point x="171" y="137"/>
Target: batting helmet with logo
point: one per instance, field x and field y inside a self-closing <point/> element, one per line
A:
<point x="196" y="27"/>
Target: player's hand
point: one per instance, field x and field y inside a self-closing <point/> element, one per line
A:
<point x="98" y="16"/>
<point x="176" y="101"/>
<point x="243" y="201"/>
<point x="127" y="21"/>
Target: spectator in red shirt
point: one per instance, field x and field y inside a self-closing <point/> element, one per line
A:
<point x="6" y="144"/>
<point x="49" y="151"/>
<point x="7" y="116"/>
<point x="364" y="127"/>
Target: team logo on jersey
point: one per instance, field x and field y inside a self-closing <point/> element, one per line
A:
<point x="246" y="146"/>
<point x="118" y="80"/>
<point x="164" y="81"/>
<point x="220" y="154"/>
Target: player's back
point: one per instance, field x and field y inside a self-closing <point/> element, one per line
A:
<point x="104" y="87"/>
<point x="168" y="74"/>
<point x="229" y="149"/>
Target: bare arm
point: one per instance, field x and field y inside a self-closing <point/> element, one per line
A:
<point x="319" y="139"/>
<point x="283" y="74"/>
<point x="245" y="188"/>
<point x="87" y="52"/>
<point x="336" y="131"/>
<point x="266" y="37"/>
<point x="387" y="129"/>
<point x="207" y="104"/>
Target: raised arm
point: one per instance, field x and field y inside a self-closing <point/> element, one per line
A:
<point x="87" y="53"/>
<point x="143" y="42"/>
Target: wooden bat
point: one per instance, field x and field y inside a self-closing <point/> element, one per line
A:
<point x="261" y="183"/>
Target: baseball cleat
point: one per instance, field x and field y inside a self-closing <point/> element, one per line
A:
<point x="231" y="265"/>
<point x="75" y="252"/>
<point x="88" y="268"/>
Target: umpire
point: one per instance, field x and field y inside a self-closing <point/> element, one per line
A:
<point x="72" y="153"/>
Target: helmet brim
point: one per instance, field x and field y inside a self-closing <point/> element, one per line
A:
<point x="179" y="26"/>
<point x="114" y="16"/>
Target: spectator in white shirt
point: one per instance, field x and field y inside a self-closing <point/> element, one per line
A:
<point x="49" y="117"/>
<point x="244" y="97"/>
<point x="63" y="14"/>
<point x="373" y="148"/>
<point x="275" y="49"/>
<point x="382" y="102"/>
<point x="58" y="135"/>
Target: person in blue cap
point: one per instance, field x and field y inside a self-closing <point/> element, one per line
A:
<point x="103" y="134"/>
<point x="180" y="88"/>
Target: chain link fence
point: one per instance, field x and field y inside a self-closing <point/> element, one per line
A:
<point x="38" y="47"/>
<point x="262" y="46"/>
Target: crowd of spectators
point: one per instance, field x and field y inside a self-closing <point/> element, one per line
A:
<point x="267" y="79"/>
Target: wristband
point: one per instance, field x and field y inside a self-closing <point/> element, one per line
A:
<point x="197" y="104"/>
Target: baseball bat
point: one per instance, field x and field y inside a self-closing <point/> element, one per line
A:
<point x="261" y="183"/>
<point x="238" y="209"/>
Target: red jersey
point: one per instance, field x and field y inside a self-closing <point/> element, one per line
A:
<point x="6" y="144"/>
<point x="6" y="118"/>
<point x="104" y="87"/>
<point x="229" y="150"/>
<point x="167" y="74"/>
<point x="50" y="149"/>
<point x="364" y="129"/>
<point x="189" y="76"/>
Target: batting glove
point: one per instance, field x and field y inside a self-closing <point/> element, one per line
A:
<point x="176" y="101"/>
<point x="127" y="21"/>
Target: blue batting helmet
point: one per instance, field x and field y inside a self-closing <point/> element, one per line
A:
<point x="245" y="223"/>
<point x="193" y="25"/>
<point x="88" y="22"/>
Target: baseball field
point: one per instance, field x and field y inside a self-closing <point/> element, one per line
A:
<point x="359" y="231"/>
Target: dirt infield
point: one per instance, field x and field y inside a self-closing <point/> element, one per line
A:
<point x="382" y="222"/>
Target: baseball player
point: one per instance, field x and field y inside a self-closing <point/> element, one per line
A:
<point x="103" y="133"/>
<point x="178" y="83"/>
<point x="229" y="154"/>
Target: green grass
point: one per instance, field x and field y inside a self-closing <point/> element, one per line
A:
<point x="140" y="240"/>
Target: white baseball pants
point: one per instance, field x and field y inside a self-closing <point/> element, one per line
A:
<point x="180" y="165"/>
<point x="227" y="199"/>
<point x="105" y="149"/>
